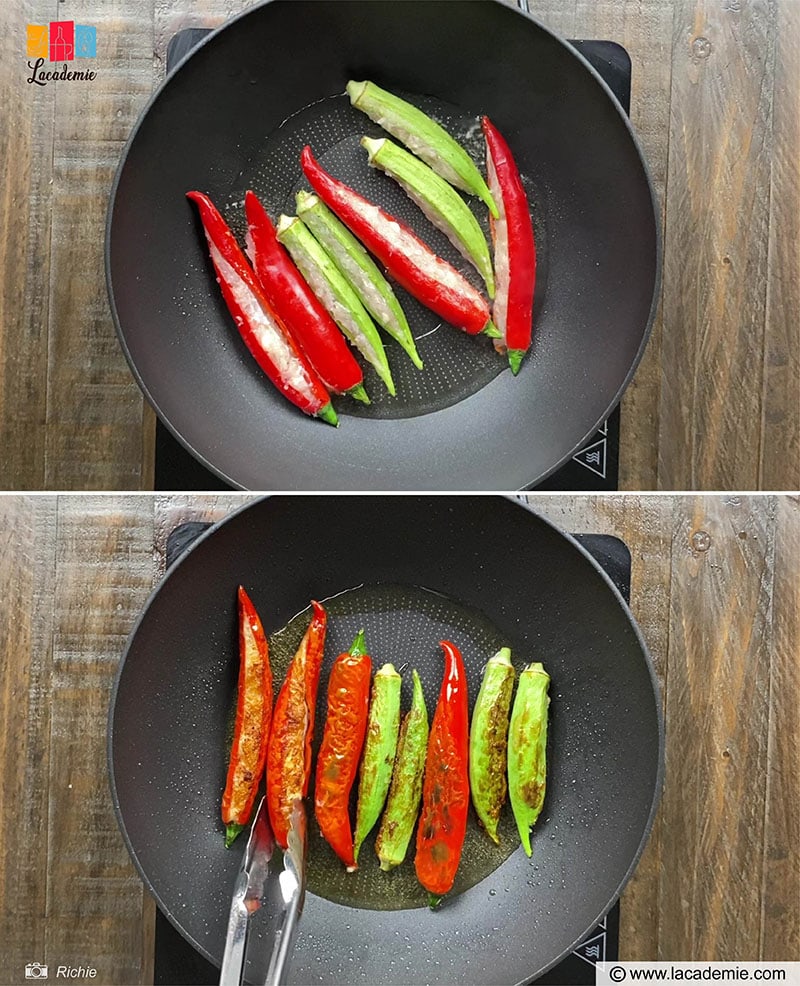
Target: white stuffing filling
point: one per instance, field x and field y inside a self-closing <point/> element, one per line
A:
<point x="502" y="264"/>
<point x="406" y="243"/>
<point x="438" y="220"/>
<point x="422" y="149"/>
<point x="264" y="328"/>
<point x="340" y="313"/>
<point x="374" y="300"/>
<point x="250" y="247"/>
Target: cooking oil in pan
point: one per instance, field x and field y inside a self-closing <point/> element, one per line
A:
<point x="403" y="625"/>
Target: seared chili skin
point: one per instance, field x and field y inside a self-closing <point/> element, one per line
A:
<point x="430" y="280"/>
<point x="445" y="791"/>
<point x="289" y="751"/>
<point x="253" y="717"/>
<point x="296" y="305"/>
<point x="340" y="750"/>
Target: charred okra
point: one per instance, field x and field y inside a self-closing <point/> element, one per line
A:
<point x="400" y="816"/>
<point x="488" y="738"/>
<point x="379" y="751"/>
<point x="527" y="743"/>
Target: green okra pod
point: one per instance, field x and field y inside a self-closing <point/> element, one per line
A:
<point x="527" y="744"/>
<point x="334" y="291"/>
<point x="402" y="806"/>
<point x="422" y="136"/>
<point x="488" y="741"/>
<point x="380" y="747"/>
<point x="438" y="200"/>
<point x="360" y="269"/>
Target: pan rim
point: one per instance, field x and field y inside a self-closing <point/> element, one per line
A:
<point x="514" y="501"/>
<point x="655" y="204"/>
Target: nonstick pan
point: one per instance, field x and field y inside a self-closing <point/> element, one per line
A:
<point x="412" y="571"/>
<point x="236" y="113"/>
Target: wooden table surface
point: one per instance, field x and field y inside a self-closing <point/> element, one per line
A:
<point x="714" y="588"/>
<point x="716" y="401"/>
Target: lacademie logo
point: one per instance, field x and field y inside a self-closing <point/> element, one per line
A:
<point x="60" y="41"/>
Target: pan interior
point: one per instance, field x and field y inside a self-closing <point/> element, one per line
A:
<point x="403" y="624"/>
<point x="456" y="365"/>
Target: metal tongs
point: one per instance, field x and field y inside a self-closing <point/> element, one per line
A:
<point x="262" y="882"/>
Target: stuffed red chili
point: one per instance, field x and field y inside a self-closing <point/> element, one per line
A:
<point x="262" y="331"/>
<point x="340" y="750"/>
<point x="514" y="249"/>
<point x="289" y="750"/>
<point x="298" y="307"/>
<point x="253" y="717"/>
<point x="445" y="789"/>
<point x="407" y="259"/>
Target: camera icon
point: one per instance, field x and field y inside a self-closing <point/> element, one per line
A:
<point x="35" y="970"/>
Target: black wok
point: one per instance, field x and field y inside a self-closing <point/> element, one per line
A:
<point x="235" y="114"/>
<point x="480" y="571"/>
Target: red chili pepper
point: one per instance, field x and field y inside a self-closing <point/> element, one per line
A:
<point x="297" y="306"/>
<point x="253" y="716"/>
<point x="514" y="249"/>
<point x="407" y="259"/>
<point x="340" y="751"/>
<point x="445" y="791"/>
<point x="289" y="750"/>
<point x="262" y="331"/>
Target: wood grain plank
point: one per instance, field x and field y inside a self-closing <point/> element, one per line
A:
<point x="95" y="425"/>
<point x="103" y="575"/>
<point x="171" y="16"/>
<point x="717" y="727"/>
<point x="779" y="467"/>
<point x="27" y="562"/>
<point x="171" y="511"/>
<point x="780" y="917"/>
<point x="644" y="28"/>
<point x="26" y="136"/>
<point x="715" y="260"/>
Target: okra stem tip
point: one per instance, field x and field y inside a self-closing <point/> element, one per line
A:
<point x="305" y="200"/>
<point x="372" y="146"/>
<point x="355" y="90"/>
<point x="284" y="222"/>
<point x="359" y="646"/>
<point x="503" y="656"/>
<point x="232" y="829"/>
